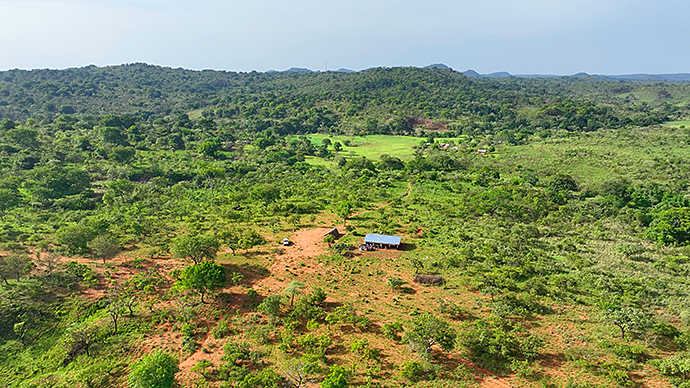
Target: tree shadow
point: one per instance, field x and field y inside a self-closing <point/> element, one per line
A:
<point x="408" y="290"/>
<point x="406" y="247"/>
<point x="251" y="274"/>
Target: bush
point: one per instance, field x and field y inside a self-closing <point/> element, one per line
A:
<point x="221" y="330"/>
<point x="336" y="379"/>
<point x="629" y="352"/>
<point x="395" y="283"/>
<point x="492" y="339"/>
<point x="392" y="330"/>
<point x="155" y="370"/>
<point x="452" y="310"/>
<point x="412" y="370"/>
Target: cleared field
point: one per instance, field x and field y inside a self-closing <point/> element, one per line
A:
<point x="371" y="147"/>
<point x="677" y="123"/>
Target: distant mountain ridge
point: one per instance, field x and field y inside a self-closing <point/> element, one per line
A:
<point x="675" y="77"/>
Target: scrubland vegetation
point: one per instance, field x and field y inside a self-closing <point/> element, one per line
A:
<point x="143" y="209"/>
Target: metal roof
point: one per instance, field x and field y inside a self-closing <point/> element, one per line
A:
<point x="382" y="239"/>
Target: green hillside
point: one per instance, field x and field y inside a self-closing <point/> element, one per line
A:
<point x="143" y="212"/>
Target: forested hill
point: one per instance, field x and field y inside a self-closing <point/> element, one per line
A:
<point x="337" y="102"/>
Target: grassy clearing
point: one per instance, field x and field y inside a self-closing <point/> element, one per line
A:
<point x="677" y="123"/>
<point x="371" y="147"/>
<point x="636" y="155"/>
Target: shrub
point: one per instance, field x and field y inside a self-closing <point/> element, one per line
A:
<point x="452" y="310"/>
<point x="155" y="370"/>
<point x="412" y="370"/>
<point x="336" y="379"/>
<point x="395" y="283"/>
<point x="629" y="352"/>
<point x="492" y="339"/>
<point x="220" y="330"/>
<point x="392" y="330"/>
<point x="531" y="346"/>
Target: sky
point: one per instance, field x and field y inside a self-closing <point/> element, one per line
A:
<point x="521" y="37"/>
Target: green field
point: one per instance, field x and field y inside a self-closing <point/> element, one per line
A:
<point x="677" y="123"/>
<point x="372" y="146"/>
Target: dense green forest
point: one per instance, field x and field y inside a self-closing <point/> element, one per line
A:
<point x="143" y="209"/>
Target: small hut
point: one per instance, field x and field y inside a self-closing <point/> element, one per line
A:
<point x="333" y="232"/>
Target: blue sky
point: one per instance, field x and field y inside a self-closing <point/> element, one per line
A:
<point x="528" y="36"/>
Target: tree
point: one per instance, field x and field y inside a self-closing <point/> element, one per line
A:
<point x="293" y="289"/>
<point x="104" y="246"/>
<point x="563" y="182"/>
<point x="211" y="174"/>
<point x="271" y="306"/>
<point x="297" y="373"/>
<point x="203" y="277"/>
<point x="9" y="198"/>
<point x="75" y="237"/>
<point x="122" y="155"/>
<point x="627" y="318"/>
<point x="427" y="330"/>
<point x="49" y="261"/>
<point x="82" y="338"/>
<point x="115" y="310"/>
<point x="196" y="248"/>
<point x="344" y="210"/>
<point x="230" y="237"/>
<point x="671" y="227"/>
<point x="155" y="370"/>
<point x="337" y="146"/>
<point x="15" y="266"/>
<point x="20" y="329"/>
<point x="210" y="147"/>
<point x="266" y="192"/>
<point x="250" y="239"/>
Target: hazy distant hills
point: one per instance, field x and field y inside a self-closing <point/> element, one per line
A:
<point x="678" y="77"/>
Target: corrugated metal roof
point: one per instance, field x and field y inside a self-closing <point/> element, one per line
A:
<point x="382" y="239"/>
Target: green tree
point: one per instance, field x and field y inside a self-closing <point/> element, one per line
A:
<point x="627" y="319"/>
<point x="104" y="246"/>
<point x="211" y="174"/>
<point x="427" y="331"/>
<point x="15" y="266"/>
<point x="75" y="237"/>
<point x="53" y="182"/>
<point x="122" y="155"/>
<point x="293" y="289"/>
<point x="210" y="147"/>
<point x="250" y="238"/>
<point x="395" y="283"/>
<point x="671" y="227"/>
<point x="9" y="198"/>
<point x="204" y="277"/>
<point x="230" y="237"/>
<point x="154" y="370"/>
<point x="196" y="248"/>
<point x="344" y="210"/>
